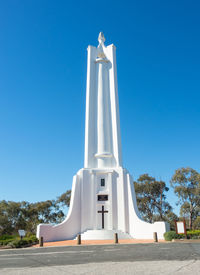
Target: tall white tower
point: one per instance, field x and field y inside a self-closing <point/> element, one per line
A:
<point x="102" y="130"/>
<point x="103" y="198"/>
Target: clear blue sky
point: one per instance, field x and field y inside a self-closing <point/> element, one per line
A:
<point x="43" y="82"/>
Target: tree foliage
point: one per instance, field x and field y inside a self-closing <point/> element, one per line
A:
<point x="151" y="198"/>
<point x="25" y="215"/>
<point x="186" y="184"/>
<point x="64" y="199"/>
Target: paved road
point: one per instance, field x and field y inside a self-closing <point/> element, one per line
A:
<point x="157" y="258"/>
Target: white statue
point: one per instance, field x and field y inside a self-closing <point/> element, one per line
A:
<point x="103" y="198"/>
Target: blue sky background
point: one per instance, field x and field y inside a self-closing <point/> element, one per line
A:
<point x="43" y="82"/>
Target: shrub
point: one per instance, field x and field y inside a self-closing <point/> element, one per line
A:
<point x="7" y="237"/>
<point x="196" y="223"/>
<point x="16" y="242"/>
<point x="29" y="234"/>
<point x="193" y="234"/>
<point x="170" y="235"/>
<point x="31" y="239"/>
<point x="5" y="242"/>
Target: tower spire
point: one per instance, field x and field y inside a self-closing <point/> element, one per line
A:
<point x="101" y="38"/>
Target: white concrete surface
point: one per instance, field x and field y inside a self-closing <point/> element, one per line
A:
<point x="103" y="162"/>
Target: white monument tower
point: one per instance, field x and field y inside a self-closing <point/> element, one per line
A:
<point x="103" y="199"/>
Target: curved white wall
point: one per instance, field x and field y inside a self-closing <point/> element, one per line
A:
<point x="83" y="214"/>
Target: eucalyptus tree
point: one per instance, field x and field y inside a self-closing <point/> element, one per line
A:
<point x="186" y="184"/>
<point x="151" y="198"/>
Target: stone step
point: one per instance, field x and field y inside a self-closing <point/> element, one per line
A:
<point x="104" y="234"/>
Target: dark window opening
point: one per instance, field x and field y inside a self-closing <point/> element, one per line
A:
<point x="102" y="182"/>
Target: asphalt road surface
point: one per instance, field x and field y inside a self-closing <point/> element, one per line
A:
<point x="156" y="258"/>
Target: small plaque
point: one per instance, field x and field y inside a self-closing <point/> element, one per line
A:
<point x="180" y="227"/>
<point x="21" y="232"/>
<point x="102" y="197"/>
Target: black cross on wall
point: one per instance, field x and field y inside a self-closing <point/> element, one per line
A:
<point x="102" y="212"/>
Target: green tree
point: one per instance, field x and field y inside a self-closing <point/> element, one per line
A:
<point x="11" y="216"/>
<point x="186" y="184"/>
<point x="64" y="199"/>
<point x="25" y="215"/>
<point x="151" y="198"/>
<point x="5" y="222"/>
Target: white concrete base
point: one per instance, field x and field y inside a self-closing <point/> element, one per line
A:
<point x="122" y="215"/>
<point x="104" y="235"/>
